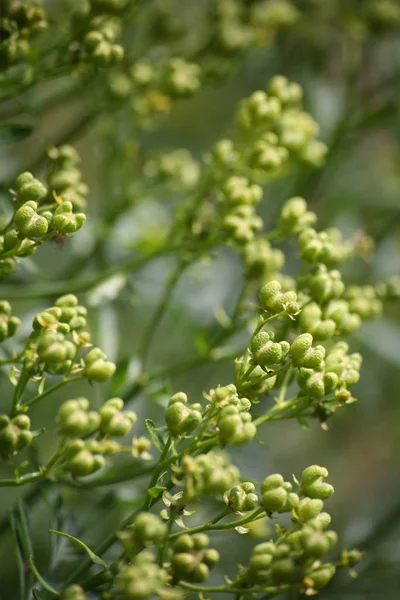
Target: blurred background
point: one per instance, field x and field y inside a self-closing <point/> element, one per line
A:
<point x="346" y="55"/>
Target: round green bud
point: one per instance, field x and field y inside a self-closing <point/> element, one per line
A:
<point x="241" y="498"/>
<point x="28" y="222"/>
<point x="287" y="92"/>
<point x="141" y="580"/>
<point x="74" y="592"/>
<point x="147" y="530"/>
<point x="266" y="352"/>
<point x="29" y="188"/>
<point x="304" y="355"/>
<point x="114" y="422"/>
<point x="66" y="221"/>
<point x="285" y="571"/>
<point x="308" y="509"/>
<point x="352" y="557"/>
<point x="276" y="495"/>
<point x="182" y="419"/>
<point x="75" y="419"/>
<point x="317" y="543"/>
<point x="235" y="427"/>
<point x="312" y="483"/>
<point x="98" y="369"/>
<point x="321" y="576"/>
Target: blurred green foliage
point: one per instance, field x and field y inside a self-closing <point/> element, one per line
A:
<point x="345" y="55"/>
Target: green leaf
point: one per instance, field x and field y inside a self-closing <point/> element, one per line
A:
<point x="14" y="132"/>
<point x="155" y="491"/>
<point x="41" y="385"/>
<point x="127" y="371"/>
<point x="40" y="579"/>
<point x="20" y="558"/>
<point x="154" y="435"/>
<point x="93" y="557"/>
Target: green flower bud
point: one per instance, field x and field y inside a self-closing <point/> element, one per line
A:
<point x="114" y="422"/>
<point x="258" y="110"/>
<point x="339" y="312"/>
<point x="304" y="354"/>
<point x="74" y="592"/>
<point x="208" y="474"/>
<point x="147" y="530"/>
<point x="287" y="92"/>
<point x="325" y="247"/>
<point x="308" y="509"/>
<point x="75" y="419"/>
<point x="316" y="384"/>
<point x="260" y="561"/>
<point x="141" y="580"/>
<point x="267" y="353"/>
<point x="311" y="321"/>
<point x="256" y="383"/>
<point x="97" y="368"/>
<point x="276" y="495"/>
<point x="181" y="78"/>
<point x="317" y="543"/>
<point x="325" y="285"/>
<point x="345" y="366"/>
<point x="242" y="223"/>
<point x="313" y="485"/>
<point x="363" y="301"/>
<point x="28" y="222"/>
<point x="261" y="260"/>
<point x="295" y="217"/>
<point x="274" y="301"/>
<point x="285" y="571"/>
<point x="181" y="418"/>
<point x="267" y="157"/>
<point x="351" y="558"/>
<point x="241" y="498"/>
<point x="238" y="190"/>
<point x="320" y="577"/>
<point x="28" y="188"/>
<point x="82" y="458"/>
<point x="66" y="221"/>
<point x="11" y="240"/>
<point x="224" y="153"/>
<point x="235" y="427"/>
<point x="15" y="433"/>
<point x="192" y="559"/>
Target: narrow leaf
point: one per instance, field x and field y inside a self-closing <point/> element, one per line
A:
<point x="93" y="557"/>
<point x="40" y="579"/>
<point x="20" y="558"/>
<point x="154" y="435"/>
<point x="155" y="491"/>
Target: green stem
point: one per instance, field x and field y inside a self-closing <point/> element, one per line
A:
<point x="278" y="409"/>
<point x="53" y="388"/>
<point x="18" y="392"/>
<point x="214" y="526"/>
<point x="160" y="310"/>
<point x="224" y="589"/>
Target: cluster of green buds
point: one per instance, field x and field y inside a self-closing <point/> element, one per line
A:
<point x="57" y="338"/>
<point x="281" y="131"/>
<point x="35" y="221"/>
<point x="74" y="592"/>
<point x="8" y="322"/>
<point x="65" y="176"/>
<point x="238" y="199"/>
<point x="295" y="557"/>
<point x="19" y="23"/>
<point x="233" y="419"/>
<point x="153" y="84"/>
<point x="241" y="498"/>
<point x="147" y="530"/>
<point x="192" y="559"/>
<point x="141" y="579"/>
<point x="15" y="434"/>
<point x="176" y="168"/>
<point x="82" y="457"/>
<point x="99" y="43"/>
<point x="181" y="418"/>
<point x="239" y="26"/>
<point x="209" y="474"/>
<point x="76" y="420"/>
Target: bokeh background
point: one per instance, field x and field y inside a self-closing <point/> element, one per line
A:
<point x="349" y="67"/>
